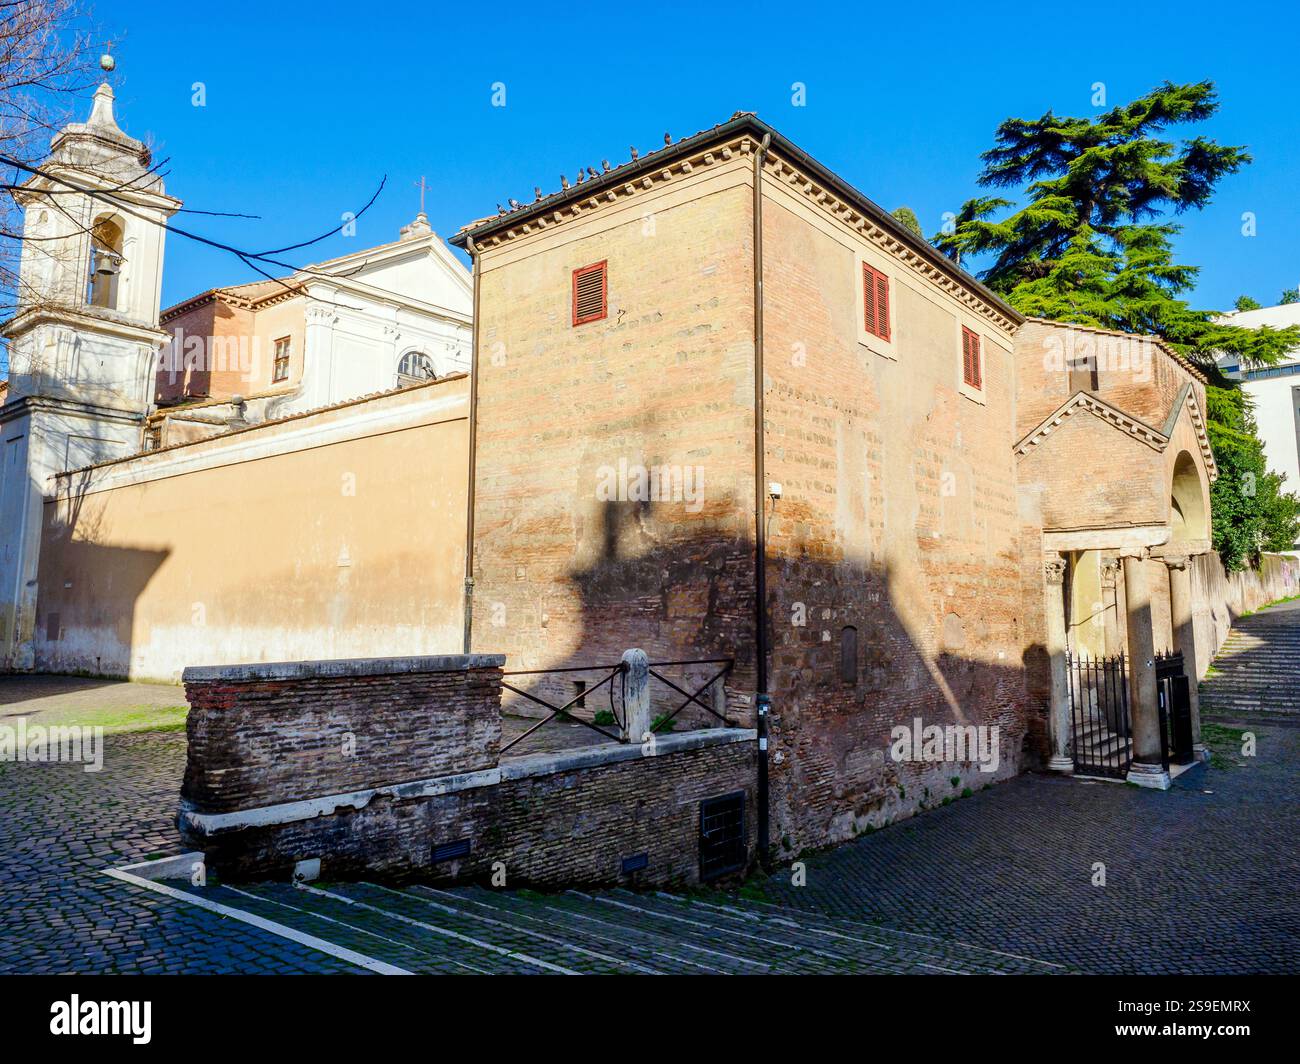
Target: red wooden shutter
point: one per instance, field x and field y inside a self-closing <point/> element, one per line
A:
<point x="875" y="301"/>
<point x="589" y="293"/>
<point x="970" y="358"/>
<point x="869" y="298"/>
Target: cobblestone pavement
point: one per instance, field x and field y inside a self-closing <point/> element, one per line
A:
<point x="1201" y="878"/>
<point x="60" y="826"/>
<point x="1198" y="879"/>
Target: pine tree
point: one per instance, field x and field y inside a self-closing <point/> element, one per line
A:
<point x="907" y="218"/>
<point x="1093" y="245"/>
<point x="1246" y="303"/>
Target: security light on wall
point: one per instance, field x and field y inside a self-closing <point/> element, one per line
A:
<point x="774" y="490"/>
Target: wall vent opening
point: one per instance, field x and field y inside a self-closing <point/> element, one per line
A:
<point x="449" y="851"/>
<point x="589" y="294"/>
<point x="722" y="835"/>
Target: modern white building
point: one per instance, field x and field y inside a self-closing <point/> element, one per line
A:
<point x="1274" y="391"/>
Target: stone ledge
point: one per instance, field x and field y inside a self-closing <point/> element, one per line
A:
<point x="340" y="667"/>
<point x="208" y="824"/>
<point x="594" y="756"/>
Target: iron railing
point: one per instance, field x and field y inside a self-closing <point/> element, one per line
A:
<point x="1175" y="707"/>
<point x="617" y="707"/>
<point x="1099" y="715"/>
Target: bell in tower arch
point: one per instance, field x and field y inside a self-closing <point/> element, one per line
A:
<point x="105" y="262"/>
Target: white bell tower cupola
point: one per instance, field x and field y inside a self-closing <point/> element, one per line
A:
<point x="86" y="326"/>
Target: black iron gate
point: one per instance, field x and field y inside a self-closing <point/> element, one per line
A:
<point x="1099" y="717"/>
<point x="1175" y="702"/>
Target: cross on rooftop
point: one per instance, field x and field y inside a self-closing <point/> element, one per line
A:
<point x="423" y="187"/>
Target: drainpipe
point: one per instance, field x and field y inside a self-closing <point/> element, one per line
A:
<point x="473" y="448"/>
<point x="762" y="699"/>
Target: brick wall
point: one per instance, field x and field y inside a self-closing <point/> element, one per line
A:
<point x="552" y="828"/>
<point x="262" y="734"/>
<point x="564" y="576"/>
<point x="369" y="765"/>
<point x="897" y="521"/>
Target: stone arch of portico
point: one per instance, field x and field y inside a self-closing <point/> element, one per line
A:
<point x="1189" y="501"/>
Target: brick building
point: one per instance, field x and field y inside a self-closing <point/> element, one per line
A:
<point x="929" y="467"/>
<point x="621" y="327"/>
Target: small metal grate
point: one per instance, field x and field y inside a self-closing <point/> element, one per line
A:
<point x="449" y="851"/>
<point x="635" y="863"/>
<point x="722" y="835"/>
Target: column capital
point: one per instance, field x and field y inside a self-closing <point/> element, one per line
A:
<point x="1109" y="572"/>
<point x="1054" y="569"/>
<point x="1175" y="561"/>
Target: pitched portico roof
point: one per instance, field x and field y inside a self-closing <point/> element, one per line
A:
<point x="1155" y="438"/>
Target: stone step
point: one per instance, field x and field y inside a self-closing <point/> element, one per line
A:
<point x="696" y="942"/>
<point x="278" y="902"/>
<point x="432" y="948"/>
<point x="862" y="945"/>
<point x="704" y="944"/>
<point x="535" y="913"/>
<point x="937" y="950"/>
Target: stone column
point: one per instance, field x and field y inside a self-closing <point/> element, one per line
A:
<point x="1110" y="604"/>
<point x="1146" y="770"/>
<point x="1058" y="719"/>
<point x="318" y="356"/>
<point x="1180" y="619"/>
<point x="636" y="703"/>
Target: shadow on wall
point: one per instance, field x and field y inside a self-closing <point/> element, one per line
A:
<point x="846" y="666"/>
<point x="79" y="577"/>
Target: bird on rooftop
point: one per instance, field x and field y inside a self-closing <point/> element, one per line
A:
<point x="634" y="155"/>
<point x="668" y="139"/>
<point x="581" y="176"/>
<point x="501" y="209"/>
<point x="591" y="173"/>
<point x="514" y="204"/>
<point x="537" y="192"/>
<point x="604" y="165"/>
<point x="564" y="181"/>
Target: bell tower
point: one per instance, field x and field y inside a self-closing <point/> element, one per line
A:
<point x="84" y="337"/>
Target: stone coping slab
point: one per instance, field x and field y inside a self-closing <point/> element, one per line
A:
<point x="339" y="667"/>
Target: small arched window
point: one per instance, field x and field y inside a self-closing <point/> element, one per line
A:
<point x="414" y="367"/>
<point x="849" y="654"/>
<point x="105" y="262"/>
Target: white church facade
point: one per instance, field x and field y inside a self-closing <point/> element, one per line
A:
<point x="360" y="324"/>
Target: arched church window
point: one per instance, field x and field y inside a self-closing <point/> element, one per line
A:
<point x="105" y="262"/>
<point x="414" y="367"/>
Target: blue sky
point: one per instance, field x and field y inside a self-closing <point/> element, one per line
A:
<point x="308" y="107"/>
